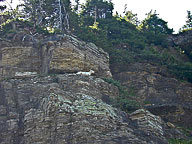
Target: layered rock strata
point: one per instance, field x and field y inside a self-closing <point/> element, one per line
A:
<point x="60" y="54"/>
<point x="164" y="96"/>
<point x="71" y="109"/>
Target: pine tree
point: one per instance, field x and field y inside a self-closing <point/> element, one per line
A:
<point x="188" y="24"/>
<point x="155" y="24"/>
<point x="2" y="6"/>
<point x="98" y="8"/>
<point x="131" y="17"/>
<point x="49" y="13"/>
<point x="155" y="29"/>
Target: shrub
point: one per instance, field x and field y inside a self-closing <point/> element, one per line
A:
<point x="126" y="100"/>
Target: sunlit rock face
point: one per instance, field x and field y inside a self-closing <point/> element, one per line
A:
<point x="18" y="59"/>
<point x="74" y="56"/>
<point x="53" y="56"/>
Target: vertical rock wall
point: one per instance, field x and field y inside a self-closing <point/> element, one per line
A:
<point x="57" y="56"/>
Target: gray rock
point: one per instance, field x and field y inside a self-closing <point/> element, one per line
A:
<point x="70" y="109"/>
<point x="161" y="94"/>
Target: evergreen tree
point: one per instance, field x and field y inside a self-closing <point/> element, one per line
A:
<point x="49" y="13"/>
<point x="188" y="24"/>
<point x="2" y="6"/>
<point x="76" y="7"/>
<point x="98" y="8"/>
<point x="155" y="29"/>
<point x="132" y="18"/>
<point x="155" y="24"/>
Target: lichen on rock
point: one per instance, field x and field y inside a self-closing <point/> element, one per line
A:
<point x="95" y="107"/>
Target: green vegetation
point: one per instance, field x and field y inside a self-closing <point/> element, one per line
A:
<point x="179" y="141"/>
<point x="2" y="7"/>
<point x="124" y="37"/>
<point x="187" y="132"/>
<point x="188" y="25"/>
<point x="126" y="100"/>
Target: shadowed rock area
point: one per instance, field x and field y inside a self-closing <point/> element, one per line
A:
<point x="158" y="92"/>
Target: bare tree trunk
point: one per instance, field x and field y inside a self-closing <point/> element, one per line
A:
<point x="66" y="19"/>
<point x="40" y="17"/>
<point x="95" y="14"/>
<point x="60" y="16"/>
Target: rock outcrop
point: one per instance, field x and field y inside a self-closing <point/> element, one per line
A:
<point x="43" y="100"/>
<point x="71" y="109"/>
<point x="182" y="38"/>
<point x="60" y="54"/>
<point x="164" y="96"/>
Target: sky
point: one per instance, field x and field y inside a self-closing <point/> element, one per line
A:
<point x="172" y="11"/>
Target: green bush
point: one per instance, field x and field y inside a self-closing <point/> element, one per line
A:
<point x="180" y="141"/>
<point x="126" y="100"/>
<point x="182" y="71"/>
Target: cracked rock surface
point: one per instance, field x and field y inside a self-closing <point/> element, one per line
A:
<point x="70" y="109"/>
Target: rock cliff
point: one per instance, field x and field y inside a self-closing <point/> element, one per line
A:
<point x="57" y="54"/>
<point x="43" y="100"/>
<point x="160" y="93"/>
<point x="71" y="109"/>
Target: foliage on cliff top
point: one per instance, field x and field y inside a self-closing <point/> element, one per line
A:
<point x="125" y="38"/>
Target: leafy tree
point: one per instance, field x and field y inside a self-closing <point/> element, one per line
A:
<point x="8" y="16"/>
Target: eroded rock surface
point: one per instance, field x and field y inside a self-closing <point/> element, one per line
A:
<point x="58" y="55"/>
<point x="162" y="95"/>
<point x="70" y="109"/>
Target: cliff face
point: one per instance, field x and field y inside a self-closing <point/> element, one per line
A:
<point x="158" y="92"/>
<point x="70" y="109"/>
<point x="60" y="54"/>
<point x="64" y="107"/>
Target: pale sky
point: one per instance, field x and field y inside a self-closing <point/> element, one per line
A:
<point x="172" y="11"/>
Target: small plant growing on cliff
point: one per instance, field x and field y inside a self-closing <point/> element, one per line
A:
<point x="127" y="98"/>
<point x="179" y="141"/>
